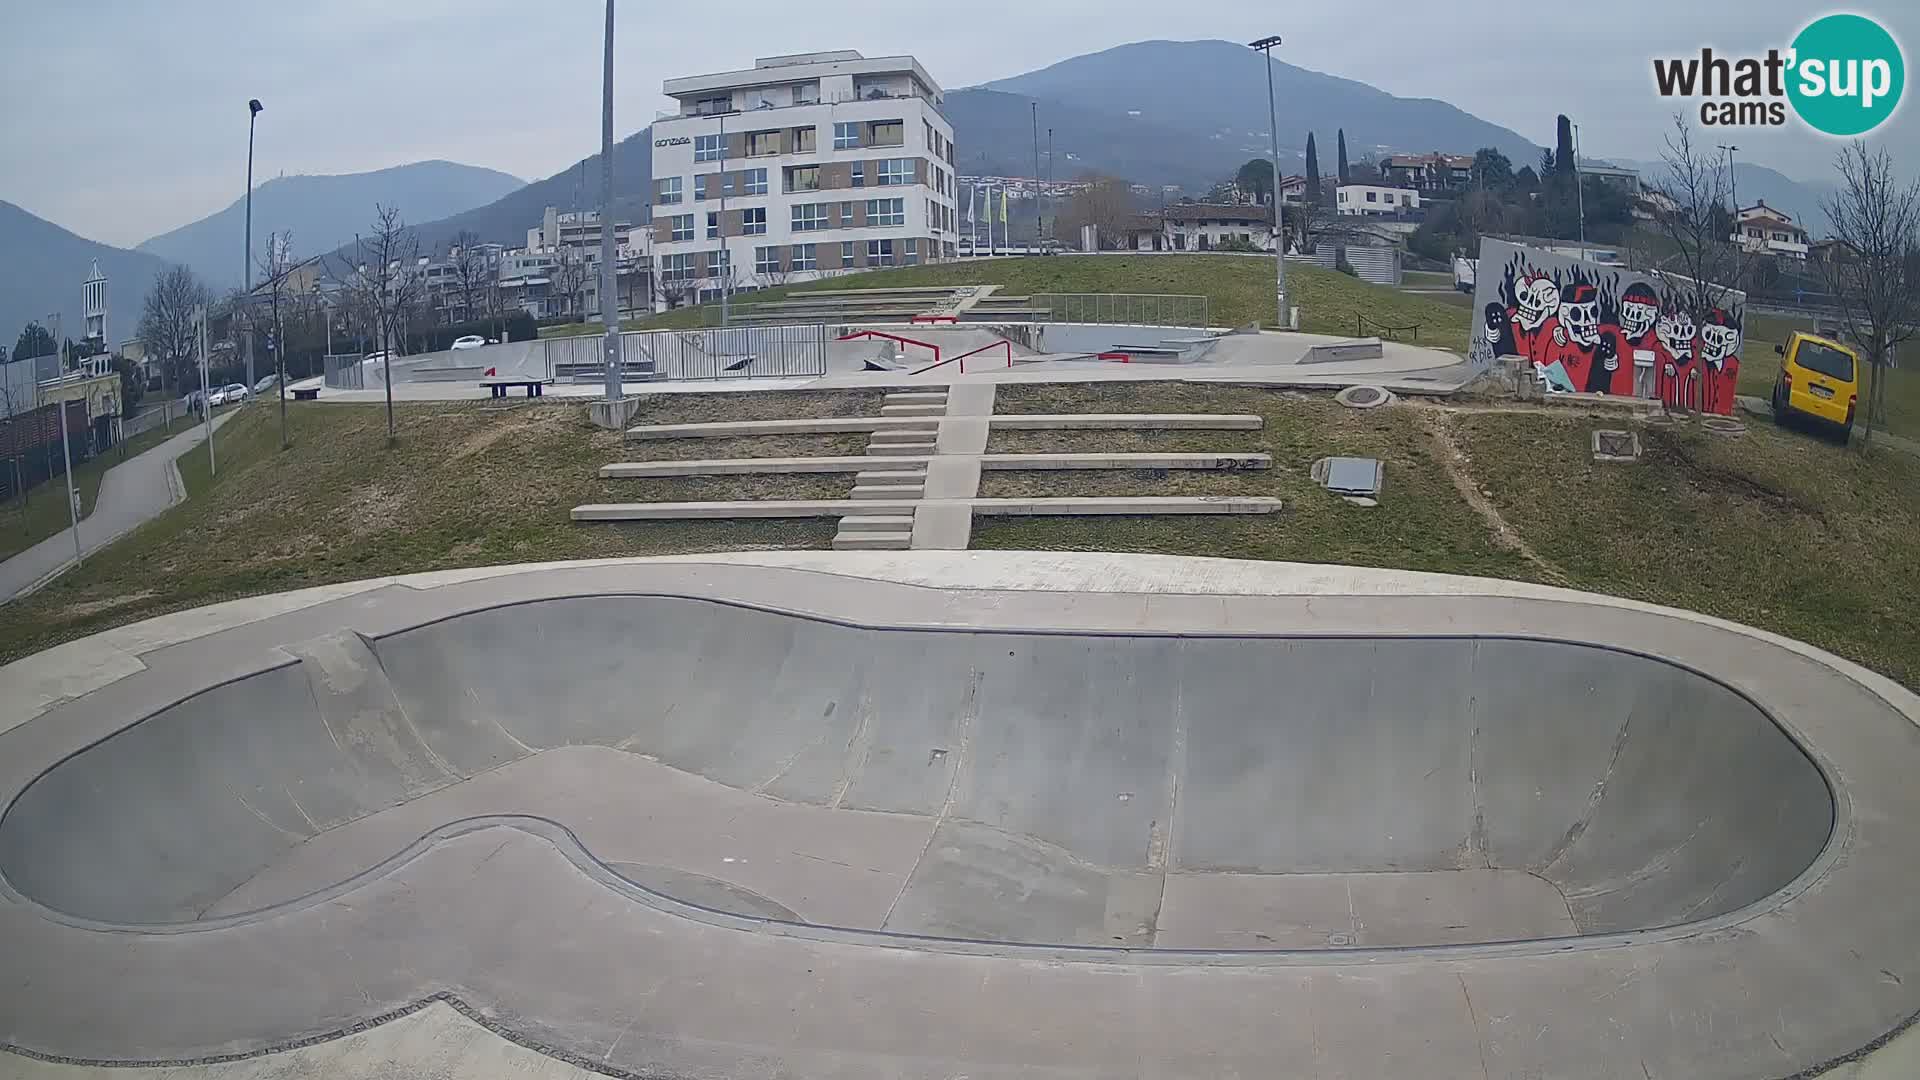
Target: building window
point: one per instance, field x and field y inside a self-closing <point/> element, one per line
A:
<point x="1343" y="196"/>
<point x="803" y="178"/>
<point x="763" y="143"/>
<point x="676" y="267"/>
<point x="718" y="263"/>
<point x="700" y="188"/>
<point x="886" y="211"/>
<point x="756" y="181"/>
<point x="846" y="253"/>
<point x="860" y="177"/>
<point x="846" y="136"/>
<point x="894" y="171"/>
<point x="706" y="147"/>
<point x="846" y="215"/>
<point x="753" y="221"/>
<point x="804" y="257"/>
<point x="932" y="146"/>
<point x="809" y="217"/>
<point x="1370" y="196"/>
<point x="803" y="140"/>
<point x="912" y="256"/>
<point x="879" y="253"/>
<point x="888" y="133"/>
<point x="766" y="260"/>
<point x="711" y="105"/>
<point x="682" y="227"/>
<point x="668" y="190"/>
<point x="713" y="225"/>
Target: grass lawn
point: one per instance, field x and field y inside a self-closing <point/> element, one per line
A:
<point x="1239" y="291"/>
<point x="1759" y="367"/>
<point x="43" y="513"/>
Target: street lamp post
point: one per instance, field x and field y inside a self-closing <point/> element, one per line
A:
<point x="246" y="263"/>
<point x="1579" y="191"/>
<point x="1265" y="47"/>
<point x="609" y="295"/>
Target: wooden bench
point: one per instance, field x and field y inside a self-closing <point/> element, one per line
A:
<point x="306" y="393"/>
<point x="500" y="384"/>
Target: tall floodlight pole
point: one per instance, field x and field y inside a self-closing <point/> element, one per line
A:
<point x="1265" y="47"/>
<point x="1055" y="223"/>
<point x="609" y="274"/>
<point x="1579" y="192"/>
<point x="246" y="263"/>
<point x="1733" y="191"/>
<point x="66" y="451"/>
<point x="1036" y="175"/>
<point x="206" y="410"/>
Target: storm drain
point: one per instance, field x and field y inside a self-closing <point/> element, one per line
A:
<point x="1363" y="397"/>
<point x="1352" y="477"/>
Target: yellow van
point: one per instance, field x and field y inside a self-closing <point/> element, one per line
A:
<point x="1819" y="379"/>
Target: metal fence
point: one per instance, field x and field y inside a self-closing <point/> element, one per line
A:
<point x="1126" y="309"/>
<point x="163" y="414"/>
<point x="344" y="372"/>
<point x="741" y="352"/>
<point x="1376" y="264"/>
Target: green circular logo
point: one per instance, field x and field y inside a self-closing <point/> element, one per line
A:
<point x="1847" y="74"/>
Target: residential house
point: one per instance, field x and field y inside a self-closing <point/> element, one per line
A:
<point x="1428" y="172"/>
<point x="1761" y="228"/>
<point x="1209" y="227"/>
<point x="1374" y="200"/>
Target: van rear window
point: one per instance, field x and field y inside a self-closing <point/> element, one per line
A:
<point x="1825" y="359"/>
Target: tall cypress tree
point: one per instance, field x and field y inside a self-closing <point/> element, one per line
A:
<point x="1345" y="176"/>
<point x="1563" y="147"/>
<point x="1313" y="172"/>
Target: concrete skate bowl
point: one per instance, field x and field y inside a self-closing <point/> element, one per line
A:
<point x="1098" y="790"/>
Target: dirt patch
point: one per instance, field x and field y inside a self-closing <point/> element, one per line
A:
<point x="1454" y="459"/>
<point x="95" y="607"/>
<point x="374" y="509"/>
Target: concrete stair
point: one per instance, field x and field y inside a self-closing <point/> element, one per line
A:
<point x="873" y="541"/>
<point x="892" y="449"/>
<point x="870" y="492"/>
<point x="880" y="523"/>
<point x="915" y="397"/>
<point x="914" y="410"/>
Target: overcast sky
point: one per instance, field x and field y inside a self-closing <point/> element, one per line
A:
<point x="126" y="118"/>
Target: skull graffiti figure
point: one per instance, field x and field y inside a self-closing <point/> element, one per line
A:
<point x="1580" y="314"/>
<point x="1538" y="299"/>
<point x="1639" y="309"/>
<point x="1719" y="338"/>
<point x="1676" y="334"/>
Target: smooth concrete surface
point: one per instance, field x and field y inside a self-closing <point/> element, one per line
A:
<point x="1175" y="746"/>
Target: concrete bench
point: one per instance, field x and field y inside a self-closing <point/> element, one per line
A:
<point x="306" y="393"/>
<point x="498" y="385"/>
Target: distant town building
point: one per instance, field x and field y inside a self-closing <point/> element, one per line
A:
<point x="1627" y="180"/>
<point x="825" y="162"/>
<point x="1206" y="227"/>
<point x="1428" y="172"/>
<point x="1761" y="228"/>
<point x="1373" y="200"/>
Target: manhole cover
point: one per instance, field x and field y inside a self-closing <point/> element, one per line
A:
<point x="1724" y="426"/>
<point x="1363" y="397"/>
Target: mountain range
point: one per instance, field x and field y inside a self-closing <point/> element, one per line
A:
<point x="1197" y="114"/>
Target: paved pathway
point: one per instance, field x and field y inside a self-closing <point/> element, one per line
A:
<point x="131" y="493"/>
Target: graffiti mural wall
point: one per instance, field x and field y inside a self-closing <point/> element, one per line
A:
<point x="1599" y="329"/>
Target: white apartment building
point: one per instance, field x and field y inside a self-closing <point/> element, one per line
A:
<point x="804" y="166"/>
<point x="1363" y="199"/>
<point x="1774" y="232"/>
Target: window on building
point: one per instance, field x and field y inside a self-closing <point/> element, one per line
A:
<point x="756" y="181"/>
<point x="753" y="220"/>
<point x="710" y="105"/>
<point x="894" y="171"/>
<point x="931" y="144"/>
<point x="706" y="147"/>
<point x="1343" y="196"/>
<point x="886" y="212"/>
<point x="879" y="253"/>
<point x="682" y="227"/>
<point x="667" y="190"/>
<point x="846" y="136"/>
<point x="1371" y="196"/>
<point x="718" y="262"/>
<point x="803" y="140"/>
<point x="809" y="217"/>
<point x="713" y="224"/>
<point x="912" y="255"/>
<point x="846" y="215"/>
<point x="859" y="174"/>
<point x="763" y="143"/>
<point x="766" y="260"/>
<point x="804" y="257"/>
<point x="802" y="178"/>
<point x="887" y="133"/>
<point x="700" y="188"/>
<point x="676" y="267"/>
<point x="846" y="253"/>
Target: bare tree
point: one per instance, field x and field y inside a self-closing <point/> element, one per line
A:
<point x="1874" y="273"/>
<point x="1105" y="203"/>
<point x="167" y="329"/>
<point x="678" y="291"/>
<point x="1708" y="265"/>
<point x="472" y="274"/>
<point x="276" y="265"/>
<point x="384" y="284"/>
<point x="569" y="277"/>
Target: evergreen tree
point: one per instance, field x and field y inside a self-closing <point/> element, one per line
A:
<point x="1563" y="147"/>
<point x="1313" y="172"/>
<point x="1345" y="174"/>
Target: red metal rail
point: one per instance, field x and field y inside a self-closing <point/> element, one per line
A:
<point x="859" y="334"/>
<point x="991" y="345"/>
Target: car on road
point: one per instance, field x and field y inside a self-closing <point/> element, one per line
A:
<point x="266" y="384"/>
<point x="470" y="341"/>
<point x="374" y="359"/>
<point x="230" y="394"/>
<point x="1819" y="380"/>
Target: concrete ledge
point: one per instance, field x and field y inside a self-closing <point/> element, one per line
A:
<point x="822" y="426"/>
<point x="1142" y="504"/>
<point x="614" y="415"/>
<point x="1146" y="421"/>
<point x="735" y="466"/>
<point x="741" y="508"/>
<point x="810" y="508"/>
<point x="1208" y="462"/>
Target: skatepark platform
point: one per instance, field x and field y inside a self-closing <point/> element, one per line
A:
<point x="919" y="814"/>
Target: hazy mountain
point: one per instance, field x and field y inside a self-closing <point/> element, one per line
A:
<point x="1754" y="183"/>
<point x="44" y="267"/>
<point x="1216" y="90"/>
<point x="506" y="219"/>
<point x="324" y="212"/>
<point x="993" y="131"/>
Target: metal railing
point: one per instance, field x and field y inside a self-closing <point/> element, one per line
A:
<point x="740" y="352"/>
<point x="343" y="371"/>
<point x="161" y="415"/>
<point x="1125" y="309"/>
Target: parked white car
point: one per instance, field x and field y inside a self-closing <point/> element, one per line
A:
<point x="230" y="394"/>
<point x="471" y="341"/>
<point x="374" y="359"/>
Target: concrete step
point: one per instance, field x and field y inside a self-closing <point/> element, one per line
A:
<point x="892" y="449"/>
<point x="873" y="541"/>
<point x="914" y="410"/>
<point x="876" y="523"/>
<point x="916" y="397"/>
<point x="920" y="427"/>
<point x="890" y="476"/>
<point x="746" y="466"/>
<point x="869" y="492"/>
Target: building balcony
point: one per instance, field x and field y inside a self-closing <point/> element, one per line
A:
<point x="694" y="113"/>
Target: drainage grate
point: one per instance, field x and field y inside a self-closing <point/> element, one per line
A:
<point x="1349" y="475"/>
<point x="1363" y="397"/>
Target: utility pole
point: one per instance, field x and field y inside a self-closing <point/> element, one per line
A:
<point x="66" y="451"/>
<point x="1265" y="47"/>
<point x="1050" y="175"/>
<point x="1579" y="192"/>
<point x="726" y="263"/>
<point x="246" y="264"/>
<point x="609" y="274"/>
<point x="206" y="410"/>
<point x="1036" y="174"/>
